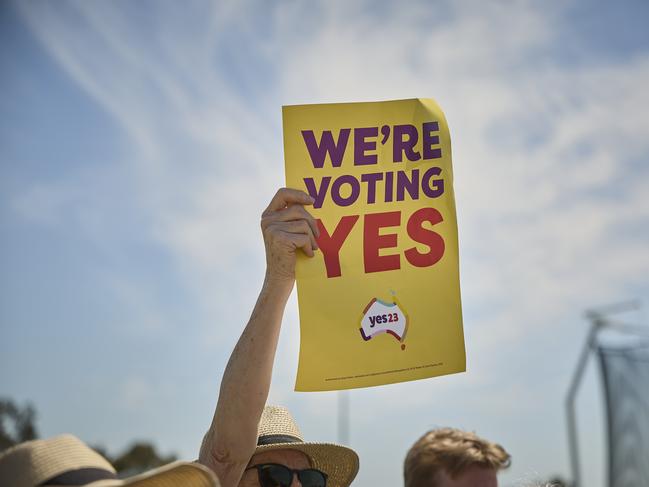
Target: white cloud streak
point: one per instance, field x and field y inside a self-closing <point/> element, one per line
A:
<point x="551" y="186"/>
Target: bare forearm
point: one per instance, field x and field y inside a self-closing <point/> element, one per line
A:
<point x="247" y="377"/>
<point x="232" y="437"/>
<point x="231" y="440"/>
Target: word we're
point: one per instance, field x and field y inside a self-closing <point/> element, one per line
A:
<point x="404" y="140"/>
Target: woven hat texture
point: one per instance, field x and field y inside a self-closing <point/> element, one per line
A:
<point x="177" y="474"/>
<point x="278" y="431"/>
<point x="32" y="463"/>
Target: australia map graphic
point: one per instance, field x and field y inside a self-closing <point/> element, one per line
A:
<point x="384" y="317"/>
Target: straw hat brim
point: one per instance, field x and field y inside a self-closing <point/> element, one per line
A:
<point x="338" y="462"/>
<point x="175" y="474"/>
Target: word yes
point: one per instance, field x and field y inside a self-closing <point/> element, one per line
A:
<point x="330" y="243"/>
<point x="378" y="319"/>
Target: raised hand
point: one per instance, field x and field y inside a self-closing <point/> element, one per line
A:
<point x="287" y="226"/>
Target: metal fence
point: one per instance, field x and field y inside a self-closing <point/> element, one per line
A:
<point x="625" y="373"/>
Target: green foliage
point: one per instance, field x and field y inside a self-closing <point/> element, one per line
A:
<point x="17" y="424"/>
<point x="141" y="456"/>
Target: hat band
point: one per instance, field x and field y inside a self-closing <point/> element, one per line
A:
<point x="80" y="477"/>
<point x="273" y="439"/>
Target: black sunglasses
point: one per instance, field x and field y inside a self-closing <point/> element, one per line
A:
<point x="276" y="475"/>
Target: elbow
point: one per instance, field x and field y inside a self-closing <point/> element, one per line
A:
<point x="222" y="455"/>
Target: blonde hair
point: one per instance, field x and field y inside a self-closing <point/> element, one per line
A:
<point x="452" y="451"/>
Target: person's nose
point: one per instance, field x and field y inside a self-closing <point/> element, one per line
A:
<point x="296" y="482"/>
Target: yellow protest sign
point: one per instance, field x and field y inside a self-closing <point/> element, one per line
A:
<point x="380" y="301"/>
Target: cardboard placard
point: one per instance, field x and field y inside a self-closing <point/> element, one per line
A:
<point x="380" y="301"/>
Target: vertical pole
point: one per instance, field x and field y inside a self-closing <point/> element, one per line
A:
<point x="609" y="418"/>
<point x="597" y="322"/>
<point x="343" y="417"/>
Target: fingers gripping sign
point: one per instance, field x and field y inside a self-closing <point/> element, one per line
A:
<point x="287" y="226"/>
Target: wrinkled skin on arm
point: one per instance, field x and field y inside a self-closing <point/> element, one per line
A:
<point x="230" y="442"/>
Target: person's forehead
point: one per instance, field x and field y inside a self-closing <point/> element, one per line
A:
<point x="290" y="458"/>
<point x="472" y="477"/>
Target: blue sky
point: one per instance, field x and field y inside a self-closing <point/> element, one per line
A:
<point x="140" y="141"/>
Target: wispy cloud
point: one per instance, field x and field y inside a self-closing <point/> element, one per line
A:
<point x="551" y="183"/>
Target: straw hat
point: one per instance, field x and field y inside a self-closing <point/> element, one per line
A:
<point x="66" y="460"/>
<point x="278" y="431"/>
